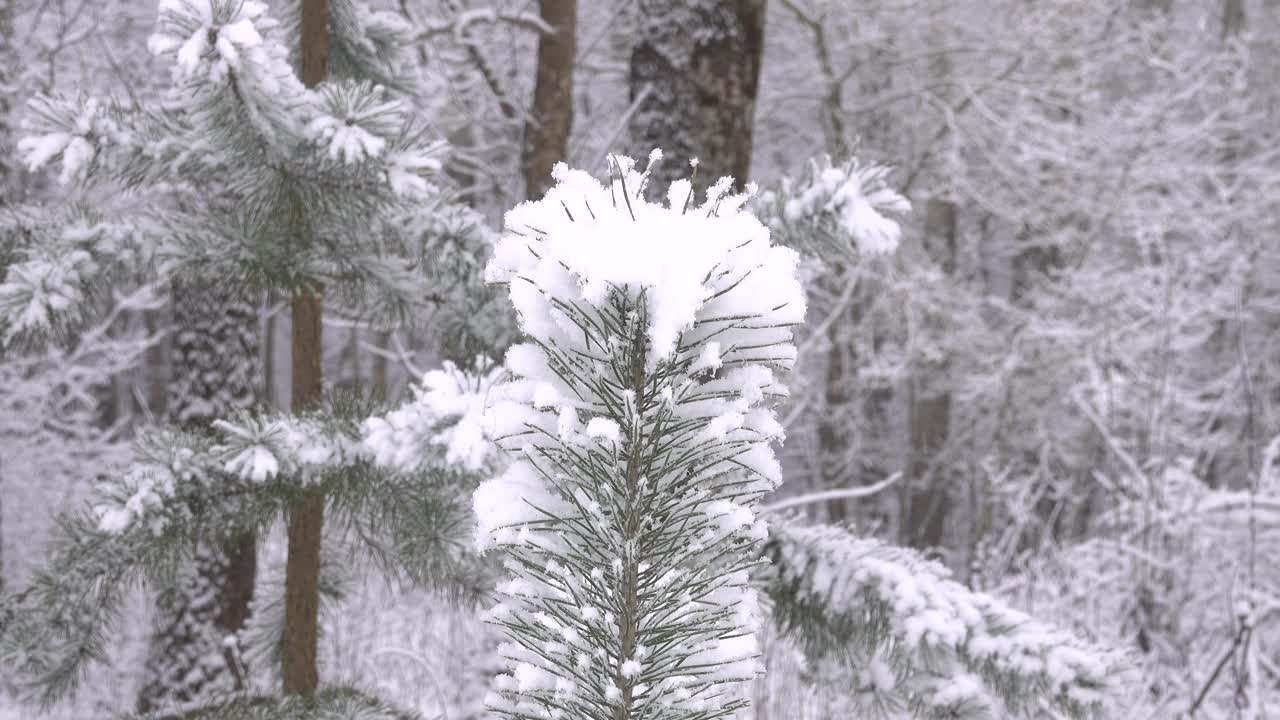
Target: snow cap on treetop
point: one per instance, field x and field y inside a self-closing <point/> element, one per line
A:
<point x="585" y="239"/>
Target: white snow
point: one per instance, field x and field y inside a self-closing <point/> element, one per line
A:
<point x="928" y="612"/>
<point x="36" y="292"/>
<point x="345" y="140"/>
<point x="191" y="51"/>
<point x="664" y="251"/>
<point x="604" y="429"/>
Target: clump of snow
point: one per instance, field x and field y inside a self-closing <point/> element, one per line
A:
<point x="210" y="36"/>
<point x="604" y="429"/>
<point x="448" y="413"/>
<point x="259" y="449"/>
<point x="345" y="139"/>
<point x="585" y="239"/>
<point x="408" y="169"/>
<point x="37" y="291"/>
<point x="76" y="144"/>
<point x="148" y="483"/>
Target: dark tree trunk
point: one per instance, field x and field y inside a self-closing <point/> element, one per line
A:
<point x="215" y="361"/>
<point x="306" y="515"/>
<point x="697" y="66"/>
<point x="546" y="135"/>
<point x="925" y="484"/>
<point x="1232" y="19"/>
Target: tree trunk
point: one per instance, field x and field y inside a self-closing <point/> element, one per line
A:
<point x="1232" y="19"/>
<point x="215" y="361"/>
<point x="306" y="515"/>
<point x="546" y="135"/>
<point x="6" y="67"/>
<point x="925" y="487"/>
<point x="698" y="67"/>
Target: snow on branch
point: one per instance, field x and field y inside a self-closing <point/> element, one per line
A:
<point x="929" y="643"/>
<point x="182" y="488"/>
<point x="448" y="411"/>
<point x="61" y="265"/>
<point x="849" y="208"/>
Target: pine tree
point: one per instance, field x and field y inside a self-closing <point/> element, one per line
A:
<point x="640" y="429"/>
<point x="295" y="189"/>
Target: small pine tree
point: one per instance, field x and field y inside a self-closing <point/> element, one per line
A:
<point x="640" y="425"/>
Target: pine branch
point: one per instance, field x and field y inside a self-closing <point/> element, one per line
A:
<point x="934" y="645"/>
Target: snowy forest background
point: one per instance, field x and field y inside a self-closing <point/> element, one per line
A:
<point x="1061" y="382"/>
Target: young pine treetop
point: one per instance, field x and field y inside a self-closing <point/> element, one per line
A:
<point x="640" y="425"/>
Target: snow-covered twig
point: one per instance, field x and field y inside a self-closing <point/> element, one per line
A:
<point x="827" y="495"/>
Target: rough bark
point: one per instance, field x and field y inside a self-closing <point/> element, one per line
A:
<point x="697" y="64"/>
<point x="546" y="134"/>
<point x="306" y="515"/>
<point x="215" y="361"/>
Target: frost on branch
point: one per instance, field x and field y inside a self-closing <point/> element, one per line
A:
<point x="920" y="640"/>
<point x="639" y="426"/>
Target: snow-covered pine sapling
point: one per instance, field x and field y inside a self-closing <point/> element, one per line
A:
<point x="639" y="428"/>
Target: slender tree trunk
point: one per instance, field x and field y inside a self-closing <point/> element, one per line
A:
<point x="925" y="485"/>
<point x="1226" y="466"/>
<point x="306" y="515"/>
<point x="1233" y="19"/>
<point x="7" y="65"/>
<point x="215" y="362"/>
<point x="269" y="353"/>
<point x="698" y="67"/>
<point x="546" y="135"/>
<point x="378" y="367"/>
